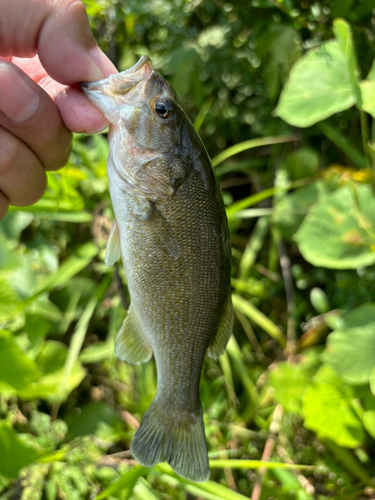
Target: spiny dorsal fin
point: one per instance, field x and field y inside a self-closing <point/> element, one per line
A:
<point x="131" y="344"/>
<point x="224" y="331"/>
<point x="113" y="250"/>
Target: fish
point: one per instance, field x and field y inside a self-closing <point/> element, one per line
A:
<point x="171" y="232"/>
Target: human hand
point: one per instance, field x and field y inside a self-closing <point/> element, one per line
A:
<point x="45" y="46"/>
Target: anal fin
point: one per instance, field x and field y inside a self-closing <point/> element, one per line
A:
<point x="224" y="331"/>
<point x="131" y="344"/>
<point x="113" y="250"/>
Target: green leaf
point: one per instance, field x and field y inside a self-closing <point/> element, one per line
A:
<point x="291" y="210"/>
<point x="319" y="86"/>
<point x="16" y="369"/>
<point x="351" y="353"/>
<point x="368" y="96"/>
<point x="14" y="453"/>
<point x="343" y="33"/>
<point x="351" y="347"/>
<point x="301" y="163"/>
<point x="330" y="410"/>
<point x="368" y="416"/>
<point x="125" y="484"/>
<point x="289" y="383"/>
<point x="338" y="231"/>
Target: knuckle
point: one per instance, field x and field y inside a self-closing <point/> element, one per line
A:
<point x="55" y="151"/>
<point x="4" y="205"/>
<point x="10" y="148"/>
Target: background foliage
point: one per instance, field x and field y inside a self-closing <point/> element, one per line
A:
<point x="283" y="96"/>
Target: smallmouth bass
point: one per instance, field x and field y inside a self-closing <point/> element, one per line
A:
<point x="171" y="231"/>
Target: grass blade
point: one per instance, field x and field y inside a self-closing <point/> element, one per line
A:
<point x="252" y="143"/>
<point x="253" y="247"/>
<point x="80" y="331"/>
<point x="208" y="491"/>
<point x="245" y="307"/>
<point x="126" y="482"/>
<point x="254" y="464"/>
<point x="203" y="113"/>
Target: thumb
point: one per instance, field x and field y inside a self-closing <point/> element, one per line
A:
<point x="59" y="32"/>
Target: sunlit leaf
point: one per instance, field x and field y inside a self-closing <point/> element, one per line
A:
<point x="338" y="231"/>
<point x="329" y="410"/>
<point x="14" y="453"/>
<point x="319" y="86"/>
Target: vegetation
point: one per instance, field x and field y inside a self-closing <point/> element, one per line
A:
<point x="279" y="93"/>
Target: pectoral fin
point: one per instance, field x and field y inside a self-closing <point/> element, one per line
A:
<point x="131" y="344"/>
<point x="224" y="331"/>
<point x="165" y="233"/>
<point x="113" y="250"/>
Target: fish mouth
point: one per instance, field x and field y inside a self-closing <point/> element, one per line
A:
<point x="107" y="93"/>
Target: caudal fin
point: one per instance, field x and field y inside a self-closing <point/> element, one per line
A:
<point x="178" y="439"/>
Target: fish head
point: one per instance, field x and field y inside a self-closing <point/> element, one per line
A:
<point x="144" y="103"/>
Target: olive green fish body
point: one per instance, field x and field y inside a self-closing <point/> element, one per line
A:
<point x="172" y="234"/>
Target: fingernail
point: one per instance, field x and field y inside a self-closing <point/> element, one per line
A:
<point x="18" y="101"/>
<point x="102" y="62"/>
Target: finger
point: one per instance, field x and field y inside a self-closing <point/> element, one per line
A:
<point x="4" y="205"/>
<point x="59" y="32"/>
<point x="30" y="114"/>
<point x="76" y="111"/>
<point x="22" y="177"/>
<point x="77" y="116"/>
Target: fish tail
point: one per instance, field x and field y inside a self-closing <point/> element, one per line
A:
<point x="174" y="437"/>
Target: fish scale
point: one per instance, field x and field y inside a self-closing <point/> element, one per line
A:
<point x="171" y="231"/>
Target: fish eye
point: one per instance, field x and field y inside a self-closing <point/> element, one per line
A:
<point x="164" y="108"/>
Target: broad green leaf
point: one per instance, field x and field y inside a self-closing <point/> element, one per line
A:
<point x="329" y="409"/>
<point x="338" y="231"/>
<point x="8" y="297"/>
<point x="14" y="453"/>
<point x="301" y="163"/>
<point x="371" y="73"/>
<point x="318" y="86"/>
<point x="289" y="383"/>
<point x="343" y="33"/>
<point x="291" y="210"/>
<point x="351" y="352"/>
<point x="14" y="223"/>
<point x="351" y="348"/>
<point x="16" y="369"/>
<point x="49" y="386"/>
<point x="368" y="96"/>
<point x="91" y="417"/>
<point x="360" y="316"/>
<point x="368" y="416"/>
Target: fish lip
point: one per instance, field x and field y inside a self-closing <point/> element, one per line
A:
<point x="120" y="78"/>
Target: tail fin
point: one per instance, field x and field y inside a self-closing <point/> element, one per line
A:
<point x="166" y="436"/>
